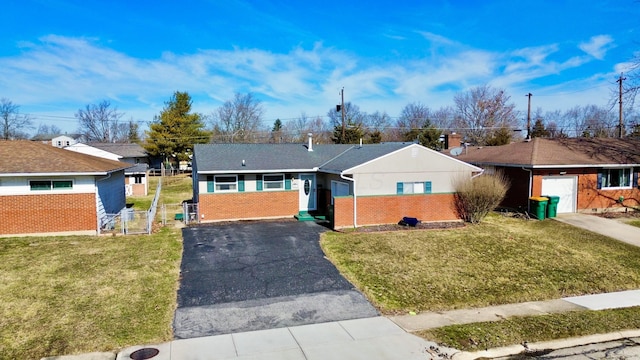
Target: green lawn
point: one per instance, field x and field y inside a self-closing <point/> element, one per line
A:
<point x="76" y="294"/>
<point x="503" y="260"/>
<point x="515" y="330"/>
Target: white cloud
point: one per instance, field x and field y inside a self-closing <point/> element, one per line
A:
<point x="61" y="72"/>
<point x="597" y="46"/>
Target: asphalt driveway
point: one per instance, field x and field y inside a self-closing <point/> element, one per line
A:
<point x="257" y="275"/>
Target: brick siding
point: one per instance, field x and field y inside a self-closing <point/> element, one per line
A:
<point x="248" y="205"/>
<point x="46" y="213"/>
<point x="389" y="209"/>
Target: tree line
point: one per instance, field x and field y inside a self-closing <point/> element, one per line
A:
<point x="483" y="115"/>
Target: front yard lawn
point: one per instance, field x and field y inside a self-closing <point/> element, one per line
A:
<point x="75" y="294"/>
<point x="503" y="260"/>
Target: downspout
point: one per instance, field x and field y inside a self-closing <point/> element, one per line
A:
<point x="478" y="174"/>
<point x="530" y="186"/>
<point x="355" y="206"/>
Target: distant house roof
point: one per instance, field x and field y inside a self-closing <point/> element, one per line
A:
<point x="49" y="137"/>
<point x="567" y="152"/>
<point x="136" y="169"/>
<point x="127" y="150"/>
<point x="32" y="157"/>
<point x="217" y="158"/>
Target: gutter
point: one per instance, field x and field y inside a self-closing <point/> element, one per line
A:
<point x="355" y="204"/>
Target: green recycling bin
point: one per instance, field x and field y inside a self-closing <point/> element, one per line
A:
<point x="552" y="206"/>
<point x="538" y="206"/>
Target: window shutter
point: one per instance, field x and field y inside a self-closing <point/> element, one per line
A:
<point x="599" y="179"/>
<point x="240" y="183"/>
<point x="399" y="189"/>
<point x="287" y="182"/>
<point x="427" y="187"/>
<point x="635" y="179"/>
<point x="259" y="182"/>
<point x="210" y="184"/>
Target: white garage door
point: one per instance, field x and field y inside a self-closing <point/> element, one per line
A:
<point x="566" y="188"/>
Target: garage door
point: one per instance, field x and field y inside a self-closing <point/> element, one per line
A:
<point x="565" y="187"/>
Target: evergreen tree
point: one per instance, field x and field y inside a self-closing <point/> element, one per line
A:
<point x="539" y="130"/>
<point x="352" y="134"/>
<point x="375" y="137"/>
<point x="276" y="132"/>
<point x="174" y="132"/>
<point x="501" y="136"/>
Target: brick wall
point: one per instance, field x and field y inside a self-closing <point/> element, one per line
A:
<point x="590" y="198"/>
<point x="389" y="209"/>
<point x="44" y="213"/>
<point x="248" y="205"/>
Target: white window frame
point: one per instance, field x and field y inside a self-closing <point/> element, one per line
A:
<point x="266" y="182"/>
<point x="412" y="185"/>
<point x="606" y="178"/>
<point x="218" y="190"/>
<point x="51" y="185"/>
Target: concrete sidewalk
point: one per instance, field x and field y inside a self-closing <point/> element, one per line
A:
<point x="372" y="338"/>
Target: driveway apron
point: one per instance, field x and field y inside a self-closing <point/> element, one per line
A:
<point x="258" y="275"/>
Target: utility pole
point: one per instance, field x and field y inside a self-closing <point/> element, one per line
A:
<point x="342" y="108"/>
<point x="529" y="117"/>
<point x="620" y="116"/>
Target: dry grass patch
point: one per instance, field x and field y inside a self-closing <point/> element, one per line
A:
<point x="74" y="294"/>
<point x="503" y="260"/>
<point x="516" y="330"/>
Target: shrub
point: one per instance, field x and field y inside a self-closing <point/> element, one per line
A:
<point x="476" y="197"/>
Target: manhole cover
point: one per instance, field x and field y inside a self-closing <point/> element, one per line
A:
<point x="145" y="353"/>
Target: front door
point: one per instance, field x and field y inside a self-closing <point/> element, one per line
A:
<point x="307" y="190"/>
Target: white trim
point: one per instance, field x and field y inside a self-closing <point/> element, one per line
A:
<point x="264" y="187"/>
<point x="215" y="184"/>
<point x="352" y="169"/>
<point x="52" y="189"/>
<point x="630" y="186"/>
<point x="256" y="171"/>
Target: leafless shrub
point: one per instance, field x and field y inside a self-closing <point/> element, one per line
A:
<point x="475" y="198"/>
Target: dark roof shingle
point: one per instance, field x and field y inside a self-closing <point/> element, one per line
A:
<point x="286" y="157"/>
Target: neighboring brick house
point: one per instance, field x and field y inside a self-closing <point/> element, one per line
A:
<point x="351" y="184"/>
<point x="44" y="189"/>
<point x="136" y="176"/>
<point x="588" y="174"/>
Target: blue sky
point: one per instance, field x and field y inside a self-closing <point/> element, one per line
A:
<point x="56" y="56"/>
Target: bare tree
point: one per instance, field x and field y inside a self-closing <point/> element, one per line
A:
<point x="44" y="129"/>
<point x="14" y="124"/>
<point x="482" y="111"/>
<point x="412" y="119"/>
<point x="239" y="120"/>
<point x="101" y="122"/>
<point x="590" y="121"/>
<point x="296" y="130"/>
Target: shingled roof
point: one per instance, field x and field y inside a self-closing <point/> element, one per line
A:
<point x="127" y="150"/>
<point x="30" y="157"/>
<point x="216" y="158"/>
<point x="567" y="152"/>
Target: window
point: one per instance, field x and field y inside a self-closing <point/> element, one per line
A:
<point x="616" y="178"/>
<point x="226" y="183"/>
<point x="273" y="182"/>
<point x="414" y="187"/>
<point x="45" y="185"/>
<point x="138" y="179"/>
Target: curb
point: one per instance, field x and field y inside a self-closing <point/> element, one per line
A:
<point x="546" y="345"/>
<point x="88" y="356"/>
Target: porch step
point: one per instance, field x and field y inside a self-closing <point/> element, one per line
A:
<point x="304" y="216"/>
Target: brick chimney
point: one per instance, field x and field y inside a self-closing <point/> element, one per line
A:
<point x="452" y="140"/>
